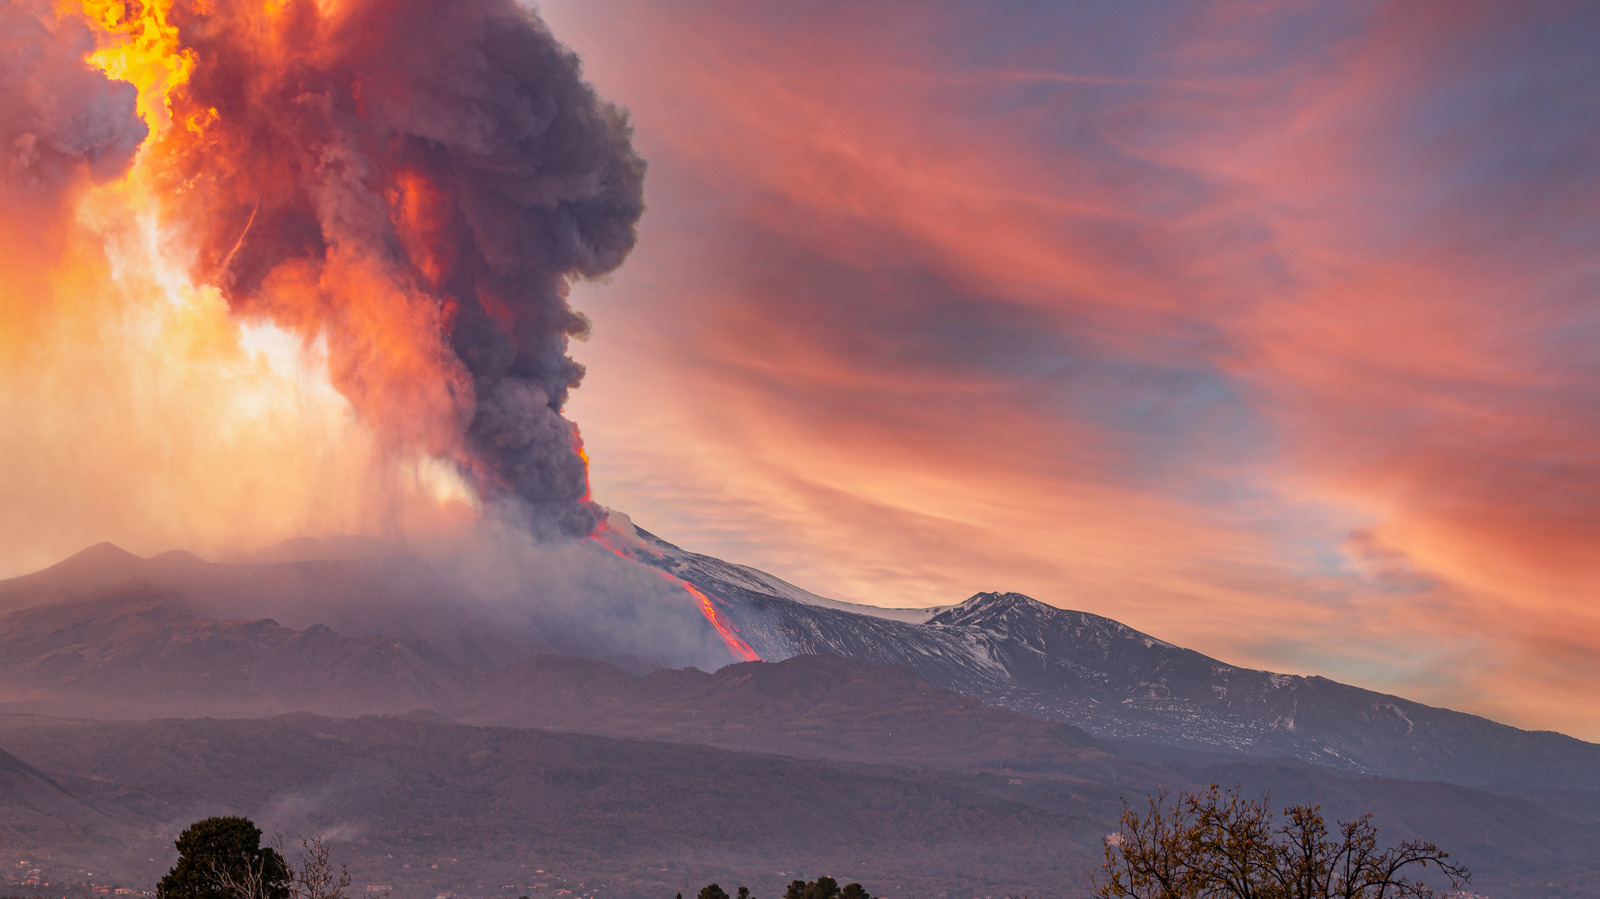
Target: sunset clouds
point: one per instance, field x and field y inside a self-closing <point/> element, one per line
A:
<point x="1267" y="328"/>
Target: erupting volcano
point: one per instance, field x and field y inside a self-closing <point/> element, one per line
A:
<point x="413" y="184"/>
<point x="403" y="189"/>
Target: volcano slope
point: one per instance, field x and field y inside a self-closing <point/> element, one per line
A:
<point x="50" y="824"/>
<point x="1011" y="651"/>
<point x="111" y="635"/>
<point x="424" y="645"/>
<point x="757" y="748"/>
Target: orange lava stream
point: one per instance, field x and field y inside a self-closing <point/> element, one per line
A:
<point x="725" y="628"/>
<point x="606" y="537"/>
<point x="730" y="634"/>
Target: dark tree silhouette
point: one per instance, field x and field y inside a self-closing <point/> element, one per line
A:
<point x="713" y="891"/>
<point x="217" y="857"/>
<point x="825" y="888"/>
<point x="1219" y="845"/>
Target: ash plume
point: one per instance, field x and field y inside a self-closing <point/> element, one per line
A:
<point x="416" y="183"/>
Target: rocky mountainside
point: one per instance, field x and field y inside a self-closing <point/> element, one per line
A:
<point x="381" y="592"/>
<point x="426" y="806"/>
<point x="649" y="783"/>
<point x="133" y="654"/>
<point x="1012" y="651"/>
<point x="33" y="806"/>
<point x="389" y="633"/>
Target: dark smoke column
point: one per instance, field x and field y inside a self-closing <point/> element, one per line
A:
<point x="417" y="182"/>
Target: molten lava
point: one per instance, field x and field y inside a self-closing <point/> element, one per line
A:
<point x="740" y="650"/>
<point x="608" y="537"/>
<point x="730" y="634"/>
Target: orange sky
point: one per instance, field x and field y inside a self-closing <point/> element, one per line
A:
<point x="1266" y="328"/>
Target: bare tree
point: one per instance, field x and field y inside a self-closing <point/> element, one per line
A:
<point x="1221" y="845"/>
<point x="253" y="879"/>
<point x="311" y="875"/>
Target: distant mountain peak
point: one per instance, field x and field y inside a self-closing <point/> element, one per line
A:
<point x="100" y="555"/>
<point x="96" y="566"/>
<point x="995" y="598"/>
<point x="985" y="607"/>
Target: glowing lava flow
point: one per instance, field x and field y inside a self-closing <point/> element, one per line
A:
<point x="608" y="538"/>
<point x="741" y="650"/>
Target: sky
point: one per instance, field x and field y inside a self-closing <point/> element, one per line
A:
<point x="1269" y="329"/>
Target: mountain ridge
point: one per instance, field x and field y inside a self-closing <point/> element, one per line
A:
<point x="1118" y="683"/>
<point x="883" y="737"/>
<point x="1003" y="649"/>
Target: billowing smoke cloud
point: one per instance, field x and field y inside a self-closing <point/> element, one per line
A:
<point x="59" y="118"/>
<point x="415" y="183"/>
<point x="298" y="268"/>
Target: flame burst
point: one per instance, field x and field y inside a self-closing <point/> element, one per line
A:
<point x="136" y="43"/>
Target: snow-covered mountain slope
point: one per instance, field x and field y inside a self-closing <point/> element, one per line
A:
<point x="81" y="624"/>
<point x="1012" y="651"/>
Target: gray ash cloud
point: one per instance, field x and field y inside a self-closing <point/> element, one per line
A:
<point x="452" y="148"/>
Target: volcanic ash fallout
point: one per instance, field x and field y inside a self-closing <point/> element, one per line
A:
<point x="399" y="191"/>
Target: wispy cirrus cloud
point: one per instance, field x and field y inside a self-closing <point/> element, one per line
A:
<point x="1268" y="328"/>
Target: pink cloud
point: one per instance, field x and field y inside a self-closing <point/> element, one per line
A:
<point x="1145" y="320"/>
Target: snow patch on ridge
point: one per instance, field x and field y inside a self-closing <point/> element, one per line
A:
<point x="757" y="581"/>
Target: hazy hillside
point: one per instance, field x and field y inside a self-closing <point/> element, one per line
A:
<point x="499" y="802"/>
<point x="807" y="706"/>
<point x="488" y="806"/>
<point x="141" y="652"/>
<point x="403" y="637"/>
